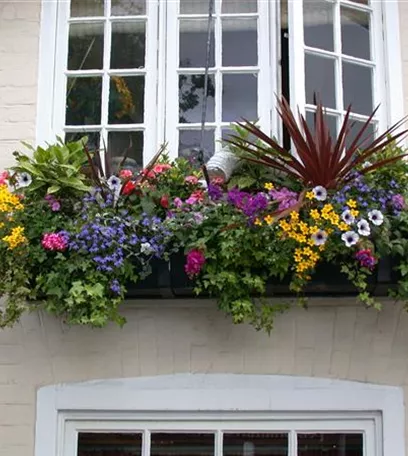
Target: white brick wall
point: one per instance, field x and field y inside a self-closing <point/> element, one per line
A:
<point x="334" y="340"/>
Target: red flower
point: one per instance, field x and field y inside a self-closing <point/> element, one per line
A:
<point x="195" y="262"/>
<point x="160" y="168"/>
<point x="164" y="201"/>
<point x="128" y="188"/>
<point x="125" y="173"/>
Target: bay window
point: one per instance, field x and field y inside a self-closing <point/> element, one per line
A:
<point x="130" y="74"/>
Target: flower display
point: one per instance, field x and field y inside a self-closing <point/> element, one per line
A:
<point x="194" y="262"/>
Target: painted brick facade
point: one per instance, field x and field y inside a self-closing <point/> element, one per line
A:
<point x="334" y="339"/>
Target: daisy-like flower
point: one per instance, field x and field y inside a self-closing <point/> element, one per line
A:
<point x="114" y="182"/>
<point x="363" y="228"/>
<point x="23" y="180"/>
<point x="319" y="237"/>
<point x="350" y="238"/>
<point x="320" y="193"/>
<point x="376" y="217"/>
<point x="347" y="217"/>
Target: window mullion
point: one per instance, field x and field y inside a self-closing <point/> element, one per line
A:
<point x="338" y="64"/>
<point x="105" y="78"/>
<point x="218" y="450"/>
<point x="218" y="72"/>
<point x="146" y="443"/>
<point x="292" y="450"/>
<point x="267" y="58"/>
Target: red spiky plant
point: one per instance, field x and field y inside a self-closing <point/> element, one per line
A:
<point x="319" y="158"/>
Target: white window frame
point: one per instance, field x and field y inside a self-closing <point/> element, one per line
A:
<point x="51" y="93"/>
<point x="202" y="401"/>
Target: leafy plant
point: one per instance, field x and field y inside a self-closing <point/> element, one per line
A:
<point x="319" y="159"/>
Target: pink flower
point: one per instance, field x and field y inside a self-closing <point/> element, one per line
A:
<point x="195" y="197"/>
<point x="55" y="241"/>
<point x="161" y="168"/>
<point x="125" y="174"/>
<point x="4" y="175"/>
<point x="177" y="202"/>
<point x="195" y="262"/>
<point x="191" y="180"/>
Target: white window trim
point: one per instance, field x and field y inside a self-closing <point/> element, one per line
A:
<point x="391" y="97"/>
<point x="202" y="394"/>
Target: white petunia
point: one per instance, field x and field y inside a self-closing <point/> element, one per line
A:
<point x="348" y="217"/>
<point x="350" y="238"/>
<point x="114" y="183"/>
<point x="146" y="248"/>
<point x="320" y="193"/>
<point x="376" y="217"/>
<point x="320" y="237"/>
<point x="363" y="228"/>
<point x="23" y="180"/>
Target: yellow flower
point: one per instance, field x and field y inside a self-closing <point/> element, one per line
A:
<point x="314" y="213"/>
<point x="354" y="212"/>
<point x="351" y="203"/>
<point x="327" y="208"/>
<point x="257" y="222"/>
<point x="294" y="216"/>
<point x="310" y="195"/>
<point x="269" y="186"/>
<point x="8" y="201"/>
<point x="334" y="219"/>
<point x="303" y="227"/>
<point x="343" y="226"/>
<point x="284" y="225"/>
<point x="313" y="229"/>
<point x="307" y="251"/>
<point x="269" y="219"/>
<point x="15" y="238"/>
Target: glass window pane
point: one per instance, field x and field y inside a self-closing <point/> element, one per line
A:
<point x="318" y="24"/>
<point x="95" y="444"/>
<point x="239" y="6"/>
<point x="330" y="445"/>
<point x="331" y="122"/>
<point x="83" y="101"/>
<point x="357" y="88"/>
<point x="85" y="8"/>
<point x="367" y="137"/>
<point x="128" y="44"/>
<point x="319" y="73"/>
<point x="355" y="33"/>
<point x="239" y="97"/>
<point x="193" y="7"/>
<point x="361" y="2"/>
<point x="182" y="444"/>
<point x="93" y="138"/>
<point x="128" y="8"/>
<point x="193" y="43"/>
<point x="189" y="144"/>
<point x="126" y="143"/>
<point x="255" y="444"/>
<point x="191" y="90"/>
<point x="126" y="99"/>
<point x="85" y="48"/>
<point x="239" y="42"/>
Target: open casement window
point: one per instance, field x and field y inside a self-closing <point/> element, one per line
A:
<point x="232" y="435"/>
<point x="130" y="73"/>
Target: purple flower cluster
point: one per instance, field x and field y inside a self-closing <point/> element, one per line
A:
<point x="215" y="192"/>
<point x="367" y="196"/>
<point x="366" y="258"/>
<point x="53" y="203"/>
<point x="284" y="197"/>
<point x="250" y="205"/>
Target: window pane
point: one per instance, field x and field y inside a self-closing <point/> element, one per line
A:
<point x="93" y="444"/>
<point x="83" y="101"/>
<point x="318" y="24"/>
<point x="128" y="44"/>
<point x="189" y="143"/>
<point x="331" y="122"/>
<point x="182" y="444"/>
<point x="366" y="138"/>
<point x="193" y="7"/>
<point x="84" y="8"/>
<point x="330" y="445"/>
<point x="93" y="138"/>
<point x="239" y="97"/>
<point x="126" y="99"/>
<point x="255" y="444"/>
<point x="357" y="88"/>
<point x="239" y="6"/>
<point x="126" y="143"/>
<point x="319" y="72"/>
<point x="191" y="89"/>
<point x="85" y="51"/>
<point x="355" y="33"/>
<point x="239" y="42"/>
<point x="128" y="7"/>
<point x="193" y="43"/>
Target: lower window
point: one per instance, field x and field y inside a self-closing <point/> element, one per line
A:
<point x="228" y="435"/>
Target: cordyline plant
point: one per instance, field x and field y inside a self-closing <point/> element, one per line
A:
<point x="319" y="159"/>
